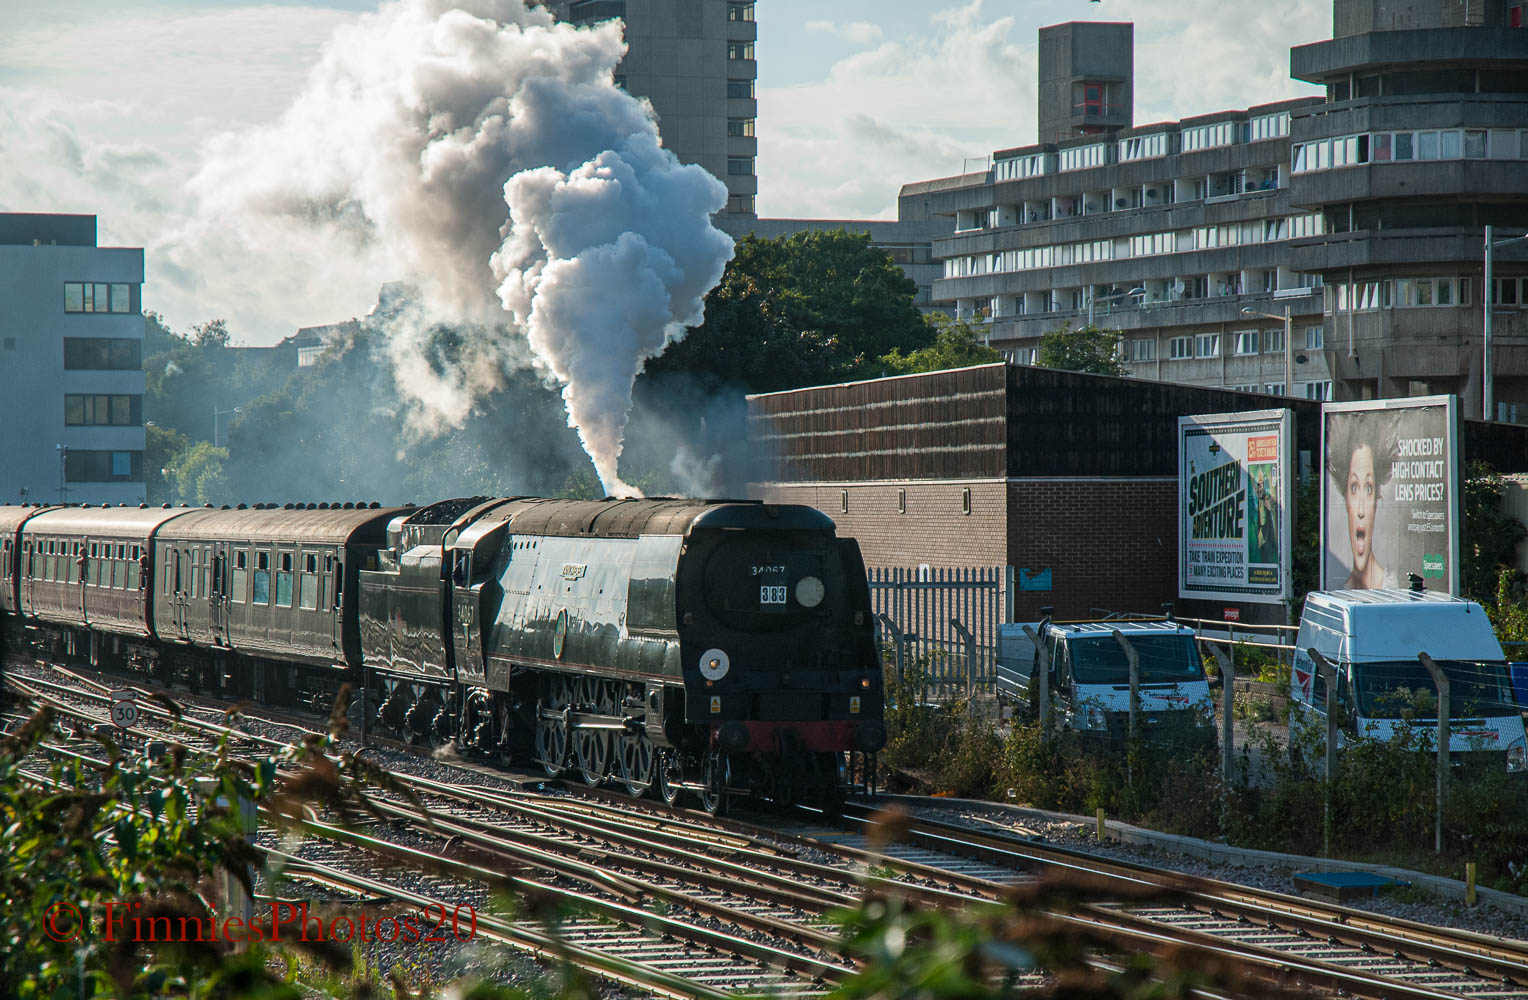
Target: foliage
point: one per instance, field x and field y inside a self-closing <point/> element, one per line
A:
<point x="198" y="476"/>
<point x="980" y="951"/>
<point x="1509" y="612"/>
<point x="1088" y="349"/>
<point x="164" y="446"/>
<point x="808" y="309"/>
<point x="101" y="839"/>
<point x="1305" y="567"/>
<point x="1491" y="536"/>
<point x="958" y="343"/>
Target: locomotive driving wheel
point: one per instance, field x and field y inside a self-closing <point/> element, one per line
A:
<point x="591" y="747"/>
<point x="552" y="727"/>
<point x="635" y="762"/>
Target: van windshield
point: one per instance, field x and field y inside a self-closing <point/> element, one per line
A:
<point x="1164" y="659"/>
<point x="1390" y="689"/>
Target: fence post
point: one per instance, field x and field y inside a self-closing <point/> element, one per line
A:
<point x="1329" y="675"/>
<point x="1440" y="679"/>
<point x="896" y="637"/>
<point x="1009" y="581"/>
<point x="970" y="641"/>
<point x="1042" y="670"/>
<point x="1226" y="658"/>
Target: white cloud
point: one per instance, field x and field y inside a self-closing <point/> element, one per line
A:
<point x="904" y="110"/>
<point x="858" y="32"/>
<point x="915" y="106"/>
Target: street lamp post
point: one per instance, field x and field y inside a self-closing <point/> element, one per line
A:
<point x="63" y="463"/>
<point x="216" y="413"/>
<point x="1488" y="396"/>
<point x="1289" y="345"/>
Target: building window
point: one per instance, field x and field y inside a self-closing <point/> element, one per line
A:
<point x="1504" y="292"/>
<point x="843" y="501"/>
<point x="1180" y="347"/>
<point x="1246" y="342"/>
<point x="1318" y="390"/>
<point x="1143" y="349"/>
<point x="10" y="343"/>
<point x="901" y="501"/>
<point x="97" y="297"/>
<point x="118" y="411"/>
<point x="739" y="166"/>
<point x="739" y="50"/>
<point x="740" y="89"/>
<point x="740" y="127"/>
<point x="584" y="11"/>
<point x="1208" y="345"/>
<point x="1273" y="341"/>
<point x="1314" y="338"/>
<point x="103" y="353"/>
<point x="81" y="466"/>
<point x="965" y="500"/>
<point x="740" y="203"/>
<point x="619" y="80"/>
<point x="1274" y="389"/>
<point x="740" y="11"/>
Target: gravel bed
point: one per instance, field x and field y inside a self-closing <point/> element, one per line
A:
<point x="1081" y="837"/>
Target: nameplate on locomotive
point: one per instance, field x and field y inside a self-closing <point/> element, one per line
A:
<point x="574" y="571"/>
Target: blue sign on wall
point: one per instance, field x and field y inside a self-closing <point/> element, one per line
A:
<point x="1039" y="579"/>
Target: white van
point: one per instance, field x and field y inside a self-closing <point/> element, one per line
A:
<point x="1372" y="638"/>
<point x="1089" y="679"/>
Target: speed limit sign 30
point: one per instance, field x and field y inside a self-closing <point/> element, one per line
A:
<point x="124" y="709"/>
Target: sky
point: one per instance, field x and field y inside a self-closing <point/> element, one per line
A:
<point x="111" y="108"/>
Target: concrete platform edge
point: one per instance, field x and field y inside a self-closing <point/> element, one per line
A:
<point x="1209" y="850"/>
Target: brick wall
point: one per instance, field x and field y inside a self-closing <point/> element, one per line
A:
<point x="1109" y="543"/>
<point x="933" y="529"/>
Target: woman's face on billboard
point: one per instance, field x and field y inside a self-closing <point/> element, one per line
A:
<point x="1362" y="495"/>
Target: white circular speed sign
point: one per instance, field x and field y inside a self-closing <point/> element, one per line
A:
<point x="124" y="710"/>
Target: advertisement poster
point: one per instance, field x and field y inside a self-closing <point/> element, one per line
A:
<point x="1390" y="495"/>
<point x="1234" y="505"/>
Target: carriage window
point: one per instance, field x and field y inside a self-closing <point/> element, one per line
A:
<point x="308" y="591"/>
<point x="177" y="571"/>
<point x="135" y="569"/>
<point x="262" y="593"/>
<point x="194" y="557"/>
<point x="208" y="586"/>
<point x="119" y="570"/>
<point x="284" y="582"/>
<point x="339" y="583"/>
<point x="240" y="577"/>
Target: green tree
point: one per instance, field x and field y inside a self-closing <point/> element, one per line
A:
<point x="1491" y="536"/>
<point x="1088" y="349"/>
<point x="807" y="309"/>
<point x="197" y="475"/>
<point x="958" y="343"/>
<point x="164" y="447"/>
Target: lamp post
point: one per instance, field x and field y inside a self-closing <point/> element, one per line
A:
<point x="1140" y="290"/>
<point x="1289" y="346"/>
<point x="216" y="413"/>
<point x="1488" y="397"/>
<point x="63" y="463"/>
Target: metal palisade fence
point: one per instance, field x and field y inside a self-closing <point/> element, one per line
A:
<point x="942" y="619"/>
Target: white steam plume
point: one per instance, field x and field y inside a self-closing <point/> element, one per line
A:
<point x="483" y="154"/>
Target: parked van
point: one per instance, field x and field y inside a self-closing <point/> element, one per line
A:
<point x="1372" y="638"/>
<point x="1090" y="676"/>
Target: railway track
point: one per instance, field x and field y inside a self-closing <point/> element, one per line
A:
<point x="755" y="899"/>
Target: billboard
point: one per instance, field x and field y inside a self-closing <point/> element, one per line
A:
<point x="1234" y="506"/>
<point x="1390" y="493"/>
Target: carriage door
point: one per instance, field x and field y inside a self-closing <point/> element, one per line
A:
<point x="24" y="568"/>
<point x="217" y="595"/>
<point x="178" y="597"/>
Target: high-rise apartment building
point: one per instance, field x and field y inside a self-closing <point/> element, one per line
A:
<point x="71" y="363"/>
<point x="1359" y="215"/>
<point x="694" y="61"/>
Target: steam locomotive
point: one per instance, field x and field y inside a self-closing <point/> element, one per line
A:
<point x="670" y="645"/>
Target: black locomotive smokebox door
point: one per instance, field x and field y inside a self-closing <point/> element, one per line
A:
<point x="560" y="634"/>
